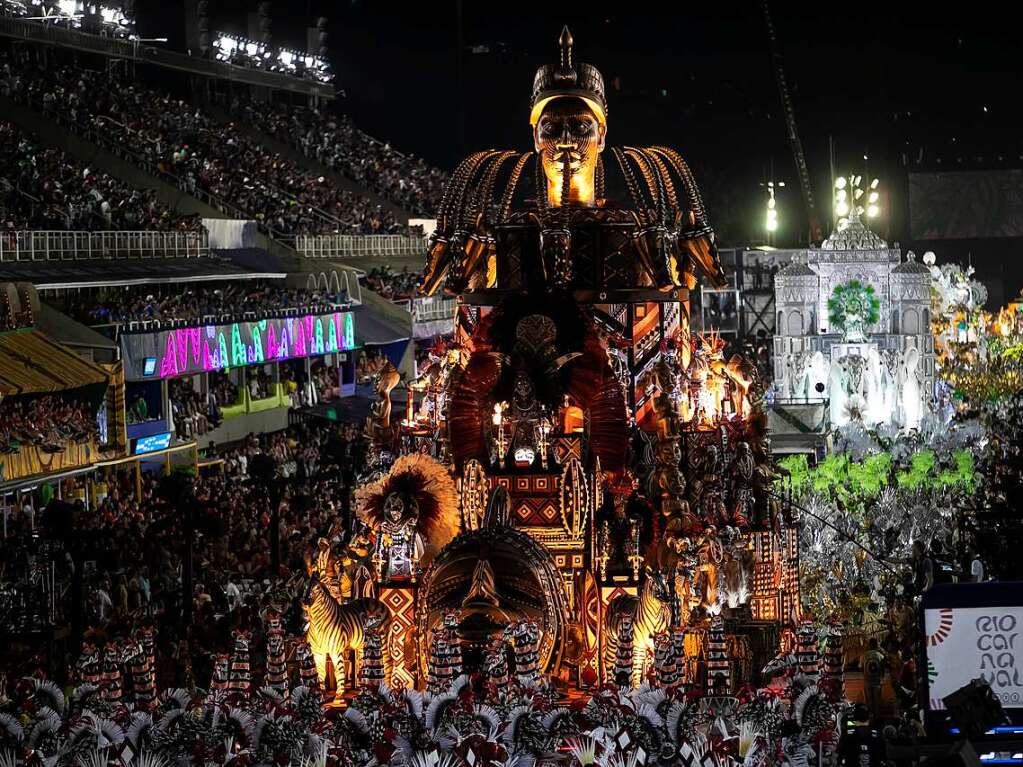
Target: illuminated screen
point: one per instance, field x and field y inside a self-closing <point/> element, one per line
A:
<point x="208" y="348"/>
<point x="152" y="443"/>
<point x="149" y="366"/>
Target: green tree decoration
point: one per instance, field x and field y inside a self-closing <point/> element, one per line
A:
<point x="852" y="308"/>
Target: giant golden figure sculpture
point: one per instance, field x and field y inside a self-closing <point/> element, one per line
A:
<point x="612" y="471"/>
<point x="665" y="214"/>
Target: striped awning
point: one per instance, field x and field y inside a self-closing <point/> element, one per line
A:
<point x="31" y="362"/>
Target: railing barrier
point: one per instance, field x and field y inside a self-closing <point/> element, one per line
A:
<point x="359" y="245"/>
<point x="57" y="245"/>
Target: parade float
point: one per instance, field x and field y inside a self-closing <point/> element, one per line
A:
<point x="853" y="328"/>
<point x="578" y="490"/>
<point x="570" y="548"/>
<point x="892" y="489"/>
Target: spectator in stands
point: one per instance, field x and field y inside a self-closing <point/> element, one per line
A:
<point x="139" y="410"/>
<point x="47" y="189"/>
<point x="140" y="303"/>
<point x="50" y="422"/>
<point x="169" y="136"/>
<point x="335" y="141"/>
<point x="391" y="284"/>
<point x="188" y="408"/>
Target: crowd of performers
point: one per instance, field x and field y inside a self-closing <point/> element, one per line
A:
<point x="242" y="665"/>
<point x="262" y="704"/>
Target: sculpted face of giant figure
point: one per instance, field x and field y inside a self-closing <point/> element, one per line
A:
<point x="569" y="138"/>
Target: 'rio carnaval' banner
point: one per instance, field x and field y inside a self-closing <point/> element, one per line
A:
<point x="206" y="348"/>
<point x="965" y="643"/>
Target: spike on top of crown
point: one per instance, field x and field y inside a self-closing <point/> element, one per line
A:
<point x="565" y="41"/>
<point x="568" y="79"/>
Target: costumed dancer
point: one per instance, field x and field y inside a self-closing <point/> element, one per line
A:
<point x="89" y="665"/>
<point x="145" y="637"/>
<point x="678" y="645"/>
<point x="371" y="671"/>
<point x="719" y="676"/>
<point x="806" y="649"/>
<point x="112" y="681"/>
<point x="436" y="680"/>
<point x="664" y="661"/>
<point x="143" y="676"/>
<point x="276" y="660"/>
<point x="307" y="675"/>
<point x="527" y="657"/>
<point x="832" y="663"/>
<point x="239" y="674"/>
<point x="497" y="664"/>
<point x="445" y="654"/>
<point x="624" y="654"/>
<point x="221" y="663"/>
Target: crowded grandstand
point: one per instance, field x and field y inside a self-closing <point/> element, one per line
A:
<point x="159" y="320"/>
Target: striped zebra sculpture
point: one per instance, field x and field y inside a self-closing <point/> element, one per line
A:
<point x="336" y="627"/>
<point x="650" y="613"/>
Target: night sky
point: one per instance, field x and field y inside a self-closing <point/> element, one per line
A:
<point x="891" y="79"/>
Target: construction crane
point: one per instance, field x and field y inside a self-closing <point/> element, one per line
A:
<point x="815" y="234"/>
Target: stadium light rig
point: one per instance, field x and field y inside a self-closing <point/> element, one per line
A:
<point x="112" y="20"/>
<point x="772" y="206"/>
<point x="234" y="49"/>
<point x="852" y="201"/>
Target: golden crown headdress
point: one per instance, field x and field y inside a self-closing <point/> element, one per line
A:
<point x="568" y="79"/>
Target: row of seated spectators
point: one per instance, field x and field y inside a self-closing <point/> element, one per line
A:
<point x="48" y="422"/>
<point x="47" y="189"/>
<point x="138" y="539"/>
<point x="393" y="284"/>
<point x="164" y="133"/>
<point x="334" y="140"/>
<point x="146" y="302"/>
<point x="195" y="413"/>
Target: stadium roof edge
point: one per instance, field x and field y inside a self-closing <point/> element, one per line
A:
<point x="146" y="54"/>
<point x="114" y="282"/>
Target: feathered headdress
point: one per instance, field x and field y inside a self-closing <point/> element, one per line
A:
<point x="420" y="478"/>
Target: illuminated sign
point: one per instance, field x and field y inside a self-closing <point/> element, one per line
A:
<point x="149" y="366"/>
<point x="152" y="443"/>
<point x="208" y="348"/>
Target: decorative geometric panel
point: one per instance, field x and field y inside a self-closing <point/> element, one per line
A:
<point x="401" y="640"/>
<point x="536" y="511"/>
<point x="765" y="608"/>
<point x="646" y="332"/>
<point x="523" y="513"/>
<point x="765" y="578"/>
<point x="591" y="613"/>
<point x="566" y="448"/>
<point x="474" y="491"/>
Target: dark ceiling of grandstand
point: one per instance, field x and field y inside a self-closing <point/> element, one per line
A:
<point x="885" y="80"/>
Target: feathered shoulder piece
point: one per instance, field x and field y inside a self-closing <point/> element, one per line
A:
<point x="420" y="479"/>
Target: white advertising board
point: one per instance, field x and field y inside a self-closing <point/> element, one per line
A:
<point x="965" y="643"/>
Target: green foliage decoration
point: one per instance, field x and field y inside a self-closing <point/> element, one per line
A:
<point x="853" y="298"/>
